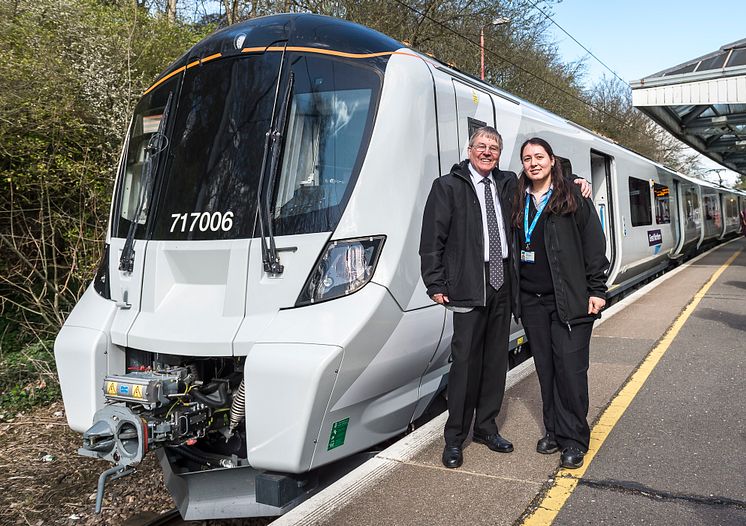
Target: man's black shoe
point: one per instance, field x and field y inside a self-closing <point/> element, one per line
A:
<point x="495" y="442"/>
<point x="572" y="458"/>
<point x="547" y="445"/>
<point x="452" y="457"/>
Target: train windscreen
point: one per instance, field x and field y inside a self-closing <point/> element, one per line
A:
<point x="206" y="181"/>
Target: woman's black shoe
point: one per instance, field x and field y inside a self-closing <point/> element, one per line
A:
<point x="547" y="445"/>
<point x="572" y="458"/>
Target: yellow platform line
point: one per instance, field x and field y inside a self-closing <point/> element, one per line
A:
<point x="566" y="480"/>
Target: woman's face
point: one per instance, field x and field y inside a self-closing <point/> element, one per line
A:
<point x="537" y="164"/>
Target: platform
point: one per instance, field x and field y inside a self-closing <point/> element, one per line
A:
<point x="667" y="398"/>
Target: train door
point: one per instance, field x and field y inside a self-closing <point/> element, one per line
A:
<point x="601" y="166"/>
<point x="475" y="109"/>
<point x="680" y="218"/>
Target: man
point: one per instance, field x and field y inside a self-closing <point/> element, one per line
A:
<point x="465" y="248"/>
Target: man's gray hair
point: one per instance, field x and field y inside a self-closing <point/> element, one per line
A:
<point x="490" y="133"/>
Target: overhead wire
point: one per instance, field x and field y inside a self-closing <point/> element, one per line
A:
<point x="517" y="66"/>
<point x="575" y="40"/>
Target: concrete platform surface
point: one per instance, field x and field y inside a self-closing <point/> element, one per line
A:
<point x="677" y="455"/>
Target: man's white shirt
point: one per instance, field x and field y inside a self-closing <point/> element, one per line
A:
<point x="476" y="179"/>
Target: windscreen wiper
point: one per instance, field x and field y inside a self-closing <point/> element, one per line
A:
<point x="272" y="149"/>
<point x="156" y="144"/>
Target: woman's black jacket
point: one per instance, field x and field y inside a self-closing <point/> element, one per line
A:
<point x="452" y="238"/>
<point x="576" y="249"/>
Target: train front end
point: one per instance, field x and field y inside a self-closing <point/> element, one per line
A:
<point x="197" y="338"/>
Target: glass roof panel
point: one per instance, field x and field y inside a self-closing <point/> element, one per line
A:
<point x="738" y="58"/>
<point x="721" y="109"/>
<point x="681" y="111"/>
<point x="713" y="62"/>
<point x="737" y="108"/>
<point x="708" y="112"/>
<point x="685" y="69"/>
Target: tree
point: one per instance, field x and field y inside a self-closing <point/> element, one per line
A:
<point x="60" y="136"/>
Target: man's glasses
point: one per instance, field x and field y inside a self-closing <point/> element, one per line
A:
<point x="481" y="148"/>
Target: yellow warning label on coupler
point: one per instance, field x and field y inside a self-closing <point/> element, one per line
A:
<point x="111" y="388"/>
<point x="137" y="391"/>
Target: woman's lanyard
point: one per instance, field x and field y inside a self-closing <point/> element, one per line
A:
<point x="527" y="255"/>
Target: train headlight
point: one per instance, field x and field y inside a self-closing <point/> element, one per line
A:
<point x="345" y="267"/>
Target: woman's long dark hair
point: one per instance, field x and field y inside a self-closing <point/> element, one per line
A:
<point x="562" y="201"/>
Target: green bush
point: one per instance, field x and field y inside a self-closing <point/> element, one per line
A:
<point x="28" y="378"/>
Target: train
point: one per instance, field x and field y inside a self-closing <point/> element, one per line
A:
<point x="259" y="311"/>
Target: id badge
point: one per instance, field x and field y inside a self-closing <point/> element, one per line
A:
<point x="527" y="256"/>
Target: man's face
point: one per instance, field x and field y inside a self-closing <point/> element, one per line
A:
<point x="484" y="154"/>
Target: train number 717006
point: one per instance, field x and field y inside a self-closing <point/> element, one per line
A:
<point x="203" y="221"/>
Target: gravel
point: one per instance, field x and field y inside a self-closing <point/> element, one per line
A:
<point x="44" y="481"/>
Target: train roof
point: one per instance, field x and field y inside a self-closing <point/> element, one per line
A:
<point x="299" y="29"/>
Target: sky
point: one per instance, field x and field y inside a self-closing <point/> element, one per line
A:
<point x="636" y="38"/>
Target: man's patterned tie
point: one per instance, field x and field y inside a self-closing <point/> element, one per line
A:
<point x="496" y="251"/>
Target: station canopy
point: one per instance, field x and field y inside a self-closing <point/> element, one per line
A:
<point x="702" y="102"/>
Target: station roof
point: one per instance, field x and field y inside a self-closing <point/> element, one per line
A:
<point x="702" y="102"/>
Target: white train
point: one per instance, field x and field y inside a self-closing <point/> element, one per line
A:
<point x="259" y="312"/>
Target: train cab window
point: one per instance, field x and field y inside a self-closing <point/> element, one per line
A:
<point x="662" y="204"/>
<point x="141" y="161"/>
<point x="329" y="124"/>
<point x="324" y="135"/>
<point x="639" y="202"/>
<point x="474" y="125"/>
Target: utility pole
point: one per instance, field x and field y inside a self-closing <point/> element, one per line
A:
<point x="496" y="22"/>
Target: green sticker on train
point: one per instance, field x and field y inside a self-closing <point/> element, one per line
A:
<point x="337" y="436"/>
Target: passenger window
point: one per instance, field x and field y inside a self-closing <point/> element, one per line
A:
<point x="639" y="202"/>
<point x="693" y="214"/>
<point x="710" y="207"/>
<point x="662" y="204"/>
<point x="731" y="208"/>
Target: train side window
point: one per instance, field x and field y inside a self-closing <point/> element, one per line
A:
<point x="710" y="207"/>
<point x="662" y="204"/>
<point x="639" y="202"/>
<point x="731" y="208"/>
<point x="693" y="213"/>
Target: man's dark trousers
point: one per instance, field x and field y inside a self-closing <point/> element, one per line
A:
<point x="479" y="350"/>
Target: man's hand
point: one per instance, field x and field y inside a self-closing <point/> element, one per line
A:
<point x="585" y="186"/>
<point x="440" y="298"/>
<point x="595" y="305"/>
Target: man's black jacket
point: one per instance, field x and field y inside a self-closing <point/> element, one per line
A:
<point x="452" y="238"/>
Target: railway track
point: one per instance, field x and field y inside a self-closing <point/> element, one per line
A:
<point x="173" y="518"/>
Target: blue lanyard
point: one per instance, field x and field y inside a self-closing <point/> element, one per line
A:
<point x="539" y="209"/>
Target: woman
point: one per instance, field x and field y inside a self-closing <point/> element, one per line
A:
<point x="561" y="259"/>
